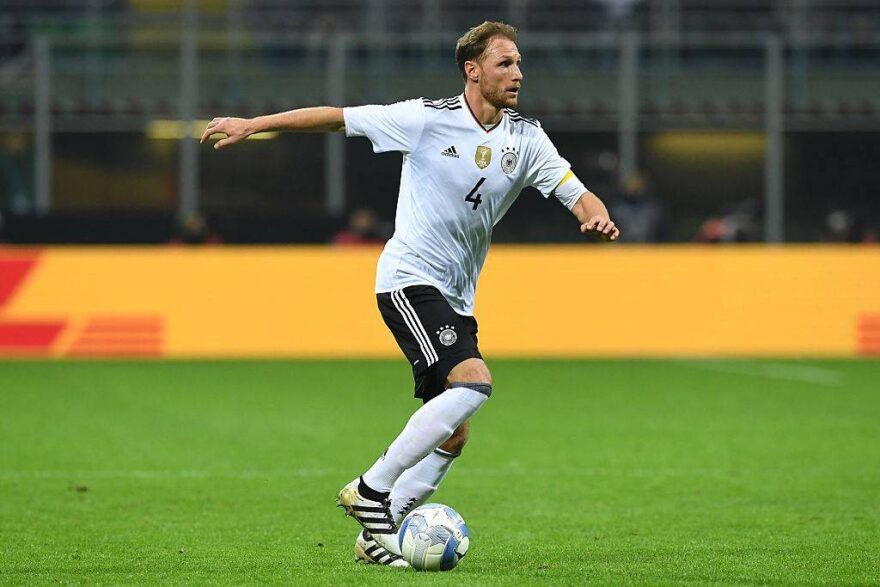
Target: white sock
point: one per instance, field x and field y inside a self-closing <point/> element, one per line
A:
<point x="429" y="427"/>
<point x="419" y="482"/>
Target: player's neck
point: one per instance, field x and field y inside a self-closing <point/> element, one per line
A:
<point x="483" y="111"/>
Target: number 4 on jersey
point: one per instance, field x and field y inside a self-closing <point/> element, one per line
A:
<point x="473" y="196"/>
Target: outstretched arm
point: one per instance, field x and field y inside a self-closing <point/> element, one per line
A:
<point x="320" y="119"/>
<point x="594" y="218"/>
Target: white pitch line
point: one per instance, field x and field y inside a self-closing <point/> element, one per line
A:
<point x="168" y="474"/>
<point x="769" y="370"/>
<point x="640" y="473"/>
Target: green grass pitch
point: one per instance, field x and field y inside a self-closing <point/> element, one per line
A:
<point x="610" y="471"/>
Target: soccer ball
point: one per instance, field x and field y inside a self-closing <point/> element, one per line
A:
<point x="433" y="537"/>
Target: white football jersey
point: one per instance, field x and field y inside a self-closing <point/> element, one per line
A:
<point x="458" y="180"/>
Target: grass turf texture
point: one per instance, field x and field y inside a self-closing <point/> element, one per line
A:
<point x="609" y="471"/>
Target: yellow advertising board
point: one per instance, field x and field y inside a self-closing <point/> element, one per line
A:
<point x="533" y="301"/>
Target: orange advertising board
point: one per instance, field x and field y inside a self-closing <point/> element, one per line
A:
<point x="541" y="301"/>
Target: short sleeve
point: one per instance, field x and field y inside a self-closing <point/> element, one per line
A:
<point x="546" y="168"/>
<point x="395" y="127"/>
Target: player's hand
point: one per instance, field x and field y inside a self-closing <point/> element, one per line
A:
<point x="235" y="129"/>
<point x="602" y="227"/>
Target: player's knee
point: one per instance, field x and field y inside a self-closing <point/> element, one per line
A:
<point x="473" y="371"/>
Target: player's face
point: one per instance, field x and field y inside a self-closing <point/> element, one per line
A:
<point x="500" y="76"/>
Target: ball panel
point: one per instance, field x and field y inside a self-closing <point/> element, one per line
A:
<point x="438" y="534"/>
<point x="449" y="558"/>
<point x="419" y="549"/>
<point x="453" y="515"/>
<point x="402" y="532"/>
<point x="463" y="547"/>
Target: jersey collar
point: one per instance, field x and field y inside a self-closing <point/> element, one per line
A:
<point x="474" y="117"/>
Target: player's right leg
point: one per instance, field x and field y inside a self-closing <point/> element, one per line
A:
<point x="419" y="482"/>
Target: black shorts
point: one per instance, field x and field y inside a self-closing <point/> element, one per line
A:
<point x="430" y="333"/>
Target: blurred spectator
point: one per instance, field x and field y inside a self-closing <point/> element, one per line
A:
<point x="363" y="228"/>
<point x="194" y="230"/>
<point x="15" y="172"/>
<point x="638" y="212"/>
<point x="739" y="225"/>
<point x="839" y="228"/>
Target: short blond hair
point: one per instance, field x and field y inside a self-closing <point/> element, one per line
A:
<point x="473" y="43"/>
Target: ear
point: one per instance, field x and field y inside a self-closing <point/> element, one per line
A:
<point x="472" y="71"/>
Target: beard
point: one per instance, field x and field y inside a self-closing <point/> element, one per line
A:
<point x="498" y="97"/>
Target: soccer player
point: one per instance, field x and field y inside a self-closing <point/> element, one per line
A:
<point x="465" y="161"/>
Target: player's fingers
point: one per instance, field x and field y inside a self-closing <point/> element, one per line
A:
<point x="222" y="143"/>
<point x="600" y="225"/>
<point x="608" y="227"/>
<point x="214" y="127"/>
<point x="615" y="234"/>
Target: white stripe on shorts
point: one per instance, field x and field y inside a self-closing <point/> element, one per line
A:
<point x="415" y="325"/>
<point x="419" y="326"/>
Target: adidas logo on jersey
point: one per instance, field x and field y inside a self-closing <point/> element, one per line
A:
<point x="450" y="152"/>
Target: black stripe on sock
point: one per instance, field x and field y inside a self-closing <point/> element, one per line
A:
<point x="371" y="493"/>
<point x="484" y="388"/>
<point x="446" y="455"/>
